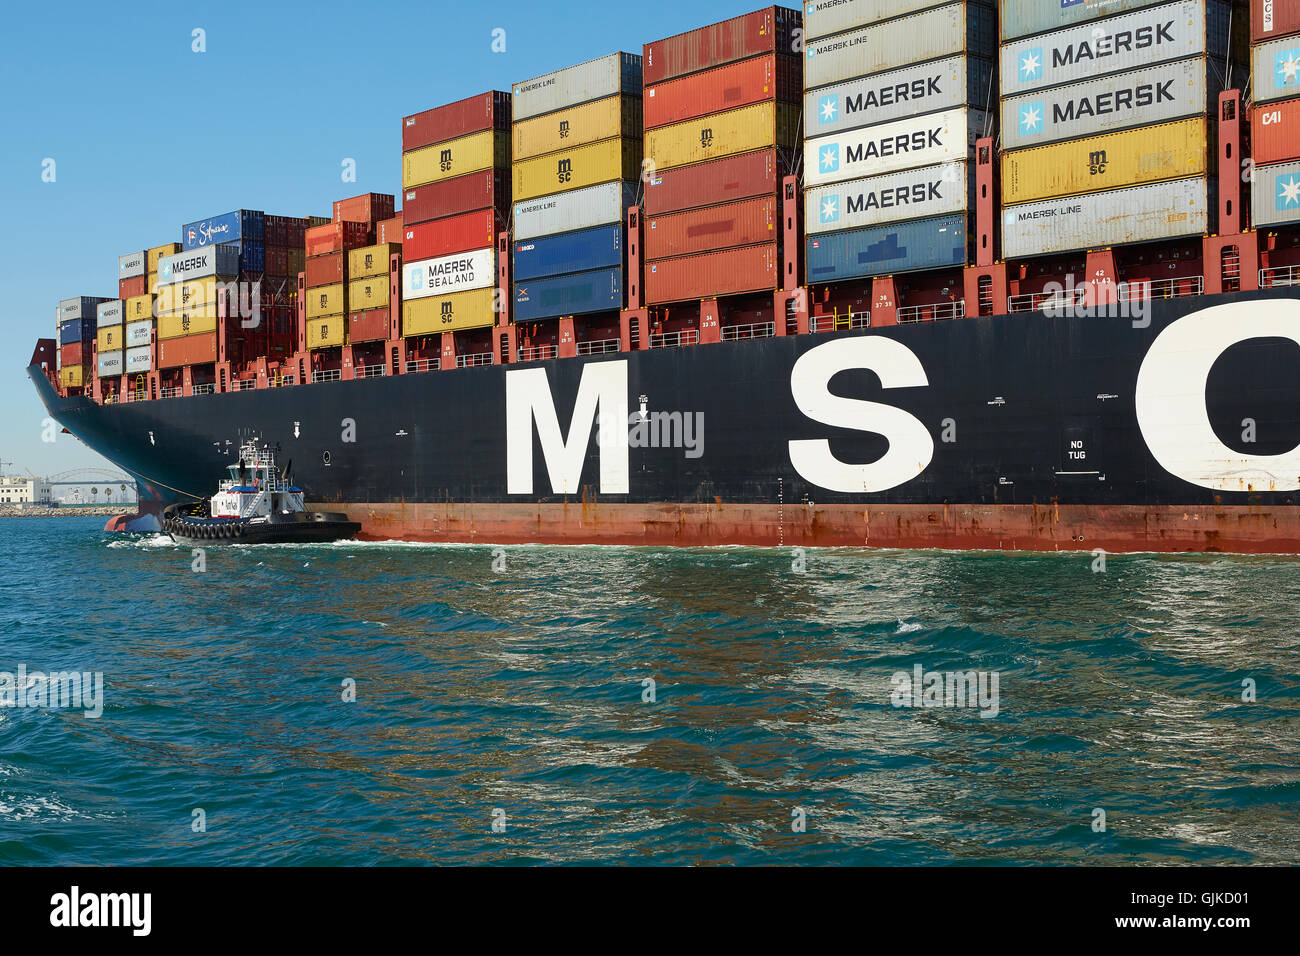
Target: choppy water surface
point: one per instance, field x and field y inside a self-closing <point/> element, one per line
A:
<point x="521" y="690"/>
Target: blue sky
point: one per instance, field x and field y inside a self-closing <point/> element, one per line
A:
<point x="147" y="134"/>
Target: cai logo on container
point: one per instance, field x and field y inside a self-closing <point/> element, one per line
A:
<point x="1031" y="118"/>
<point x="828" y="109"/>
<point x="1031" y="64"/>
<point x="1287" y="67"/>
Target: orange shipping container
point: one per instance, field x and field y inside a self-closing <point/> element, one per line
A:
<point x="713" y="227"/>
<point x="336" y="237"/>
<point x="368" y="207"/>
<point x="390" y="230"/>
<point x="729" y="272"/>
<point x="187" y="350"/>
<point x="1275" y="132"/>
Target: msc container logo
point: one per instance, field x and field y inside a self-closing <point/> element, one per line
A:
<point x="830" y="209"/>
<point x="368" y="260"/>
<point x="829" y="158"/>
<point x="564" y="172"/>
<point x="448" y="312"/>
<point x="706" y="137"/>
<point x="1031" y="64"/>
<point x="1097" y="163"/>
<point x="1288" y="193"/>
<point x="1031" y="119"/>
<point x="564" y="129"/>
<point x="1287" y="67"/>
<point x="324" y="299"/>
<point x="828" y="109"/>
<point x="445" y="161"/>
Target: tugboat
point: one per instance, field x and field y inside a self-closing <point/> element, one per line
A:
<point x="255" y="505"/>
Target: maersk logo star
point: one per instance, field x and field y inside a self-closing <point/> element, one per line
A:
<point x="828" y="108"/>
<point x="1287" y="65"/>
<point x="831" y="209"/>
<point x="1031" y="64"/>
<point x="1031" y="119"/>
<point x="830" y="157"/>
<point x="1288" y="193"/>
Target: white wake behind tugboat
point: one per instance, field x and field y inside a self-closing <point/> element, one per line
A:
<point x="255" y="505"/>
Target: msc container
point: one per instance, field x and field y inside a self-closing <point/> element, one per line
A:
<point x="724" y="88"/>
<point x="110" y="364"/>
<point x="327" y="331"/>
<point x="110" y="339"/>
<point x="139" y="359"/>
<point x="712" y="227"/>
<point x="583" y="292"/>
<point x="368" y="326"/>
<point x="770" y="30"/>
<point x="723" y="134"/>
<point x="370" y="260"/>
<point x="577" y="126"/>
<point x="198" y="264"/>
<point x="1110" y="161"/>
<point x="874" y="150"/>
<point x="944" y="31"/>
<point x="598" y="248"/>
<point x="573" y="210"/>
<point x="613" y="75"/>
<point x="72" y="353"/>
<point x="326" y="300"/>
<point x="487" y="189"/>
<point x="336" y="237"/>
<point x="472" y="115"/>
<point x="152" y="256"/>
<point x="456" y="157"/>
<point x="823" y="17"/>
<point x="325" y="270"/>
<point x="722" y="180"/>
<point x="109" y="313"/>
<point x="442" y="237"/>
<point x="1142" y="214"/>
<point x="368" y="207"/>
<point x="180" y="324"/>
<point x="71" y="376"/>
<point x="1276" y="73"/>
<point x="190" y="350"/>
<point x="448" y="313"/>
<point x="1275" y="132"/>
<point x="911" y="91"/>
<point x="130" y="266"/>
<point x="887" y="250"/>
<point x="188" y="296"/>
<point x="82" y="307"/>
<point x="1275" y="194"/>
<point x="390" y="230"/>
<point x="238" y="226"/>
<point x="913" y="194"/>
<point x="139" y="307"/>
<point x="1146" y="97"/>
<point x="139" y="333"/>
<point x="574" y="168"/>
<point x="723" y="272"/>
<point x="1174" y="31"/>
<point x="1023" y="17"/>
<point x="461" y="272"/>
<point x="127" y="288"/>
<point x="1273" y="18"/>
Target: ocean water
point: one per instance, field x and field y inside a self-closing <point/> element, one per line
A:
<point x="506" y="686"/>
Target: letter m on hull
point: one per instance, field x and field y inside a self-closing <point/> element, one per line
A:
<point x="603" y="390"/>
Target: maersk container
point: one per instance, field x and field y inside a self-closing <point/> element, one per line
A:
<point x="1174" y="31"/>
<point x="824" y="17"/>
<point x="486" y="189"/>
<point x="1145" y="97"/>
<point x="576" y="294"/>
<point x="957" y="28"/>
<point x="725" y="226"/>
<point x="109" y="313"/>
<point x="888" y="147"/>
<point x="576" y="126"/>
<point x="723" y="134"/>
<point x="1024" y="17"/>
<point x="110" y="364"/>
<point x="1276" y="73"/>
<point x="131" y="265"/>
<point x="721" y="180"/>
<point x="613" y="75"/>
<point x="471" y="115"/>
<point x="461" y="272"/>
<point x="1142" y="214"/>
<point x="82" y="307"/>
<point x="139" y="359"/>
<point x="139" y="333"/>
<point x="886" y="250"/>
<point x="898" y="94"/>
<point x="574" y="210"/>
<point x="597" y="248"/>
<point x="729" y="87"/>
<point x="722" y="272"/>
<point x="1270" y="19"/>
<point x="198" y="264"/>
<point x="240" y="225"/>
<point x="769" y="30"/>
<point x="1275" y="132"/>
<point x="875" y="200"/>
<point x="1275" y="194"/>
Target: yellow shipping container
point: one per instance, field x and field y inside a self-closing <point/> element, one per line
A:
<point x="371" y="260"/>
<point x="326" y="300"/>
<point x="110" y="338"/>
<point x="139" y="307"/>
<point x="151" y="282"/>
<point x="371" y="293"/>
<point x="455" y="157"/>
<point x="156" y="253"/>
<point x="1149" y="154"/>
<point x="447" y="313"/>
<point x="70" y="377"/>
<point x="577" y="126"/>
<point x="760" y="126"/>
<point x="196" y="295"/>
<point x="575" y="168"/>
<point x="186" y="323"/>
<point x="325" y="332"/>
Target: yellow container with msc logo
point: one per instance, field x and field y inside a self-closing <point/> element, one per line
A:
<point x="110" y="339"/>
<point x="326" y="332"/>
<point x="326" y="300"/>
<point x="577" y="126"/>
<point x="195" y="295"/>
<point x="601" y="162"/>
<point x="1148" y="154"/>
<point x="371" y="293"/>
<point x="760" y="126"/>
<point x="371" y="260"/>
<point x="179" y="324"/>
<point x="139" y="307"/>
<point x="447" y="313"/>
<point x="455" y="157"/>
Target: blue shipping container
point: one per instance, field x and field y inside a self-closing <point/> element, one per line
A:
<point x="582" y="251"/>
<point x="234" y="226"/>
<point x="252" y="255"/>
<point x="576" y="294"/>
<point x="76" y="330"/>
<point x="887" y="250"/>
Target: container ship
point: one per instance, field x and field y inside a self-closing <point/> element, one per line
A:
<point x="895" y="273"/>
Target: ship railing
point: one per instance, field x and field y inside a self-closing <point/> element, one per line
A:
<point x="326" y="375"/>
<point x="1279" y="277"/>
<point x="371" y="371"/>
<point x="169" y="392"/>
<point x="1172" y="288"/>
<point x="423" y="365"/>
<point x="473" y="359"/>
<point x="668" y="340"/>
<point x="936" y="312"/>
<point x="537" y="353"/>
<point x="838" y="322"/>
<point x="135" y="395"/>
<point x="598" y="347"/>
<point x="283" y="381"/>
<point x="1041" y="301"/>
<point x="205" y="389"/>
<point x="242" y="384"/>
<point x="755" y="330"/>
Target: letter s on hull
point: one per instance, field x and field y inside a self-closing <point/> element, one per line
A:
<point x="1171" y="409"/>
<point x="911" y="448"/>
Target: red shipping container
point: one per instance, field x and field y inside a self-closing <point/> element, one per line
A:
<point x="187" y="350"/>
<point x="482" y="190"/>
<point x="442" y="237"/>
<point x="717" y="181"/>
<point x="126" y="288"/>
<point x="325" y="270"/>
<point x="277" y="261"/>
<point x="368" y="207"/>
<point x="336" y="237"/>
<point x="70" y="355"/>
<point x="390" y="230"/>
<point x="473" y="115"/>
<point x="1271" y="19"/>
<point x="729" y="87"/>
<point x="770" y="30"/>
<point x="713" y="227"/>
<point x="1275" y="132"/>
<point x="368" y="326"/>
<point x="727" y="272"/>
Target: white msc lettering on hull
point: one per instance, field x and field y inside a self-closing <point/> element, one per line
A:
<point x="911" y="447"/>
<point x="1171" y="407"/>
<point x="528" y="399"/>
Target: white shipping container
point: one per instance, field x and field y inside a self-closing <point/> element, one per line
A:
<point x="138" y="333"/>
<point x="935" y="33"/>
<point x="1023" y="17"/>
<point x="1146" y="97"/>
<point x="1139" y="214"/>
<point x="108" y="313"/>
<point x="593" y="80"/>
<point x="911" y="91"/>
<point x="888" y="147"/>
<point x="824" y="17"/>
<point x="571" y="211"/>
<point x="1275" y="194"/>
<point x="913" y="194"/>
<point x="109" y="364"/>
<point x="139" y="359"/>
<point x="1276" y="70"/>
<point x="462" y="272"/>
<point x="220" y="260"/>
<point x="130" y="265"/>
<point x="1174" y="31"/>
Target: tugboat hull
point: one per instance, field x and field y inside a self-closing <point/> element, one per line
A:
<point x="311" y="527"/>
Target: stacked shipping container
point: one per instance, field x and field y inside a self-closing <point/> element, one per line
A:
<point x="139" y="323"/>
<point x="1275" y="118"/>
<point x="186" y="305"/>
<point x="110" y="319"/>
<point x="326" y="280"/>
<point x="75" y="321"/>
